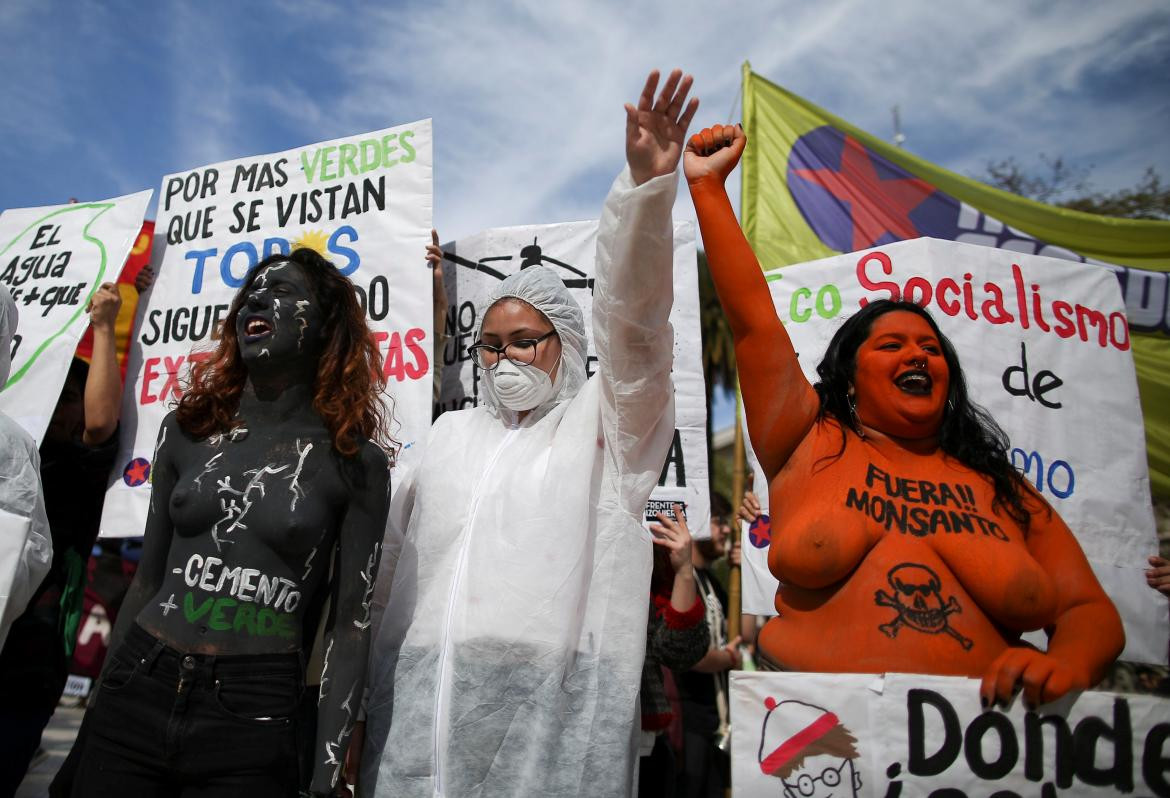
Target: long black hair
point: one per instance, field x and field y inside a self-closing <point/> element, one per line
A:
<point x="968" y="432"/>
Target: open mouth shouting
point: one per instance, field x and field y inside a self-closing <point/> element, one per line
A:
<point x="916" y="382"/>
<point x="256" y="328"/>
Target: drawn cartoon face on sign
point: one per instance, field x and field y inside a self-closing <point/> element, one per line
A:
<point x="809" y="750"/>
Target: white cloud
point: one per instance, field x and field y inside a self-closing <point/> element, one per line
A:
<point x="526" y="96"/>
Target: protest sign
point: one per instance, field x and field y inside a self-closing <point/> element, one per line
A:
<point x="473" y="267"/>
<point x="1045" y="348"/>
<point x="907" y="735"/>
<point x="127" y="285"/>
<point x="52" y="260"/>
<point x="363" y="202"/>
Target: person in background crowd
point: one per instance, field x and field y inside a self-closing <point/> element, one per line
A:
<point x="749" y="624"/>
<point x="1158" y="575"/>
<point x="702" y="690"/>
<point x="434" y="260"/>
<point x="76" y="456"/>
<point x="891" y="413"/>
<point x="677" y="638"/>
<point x="509" y="654"/>
<point x="269" y="466"/>
<point x="26" y="560"/>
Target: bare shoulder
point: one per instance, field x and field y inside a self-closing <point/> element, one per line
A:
<point x="172" y="437"/>
<point x="368" y="470"/>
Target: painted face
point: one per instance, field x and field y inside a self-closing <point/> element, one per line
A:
<point x="902" y="379"/>
<point x="822" y="776"/>
<point x="514" y="320"/>
<point x="281" y="320"/>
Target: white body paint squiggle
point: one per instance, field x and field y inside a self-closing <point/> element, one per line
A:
<point x="299" y="315"/>
<point x="368" y="577"/>
<point x="233" y="512"/>
<point x="295" y="485"/>
<point x="325" y="673"/>
<point x="208" y="467"/>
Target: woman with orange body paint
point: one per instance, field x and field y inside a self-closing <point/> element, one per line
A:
<point x="976" y="557"/>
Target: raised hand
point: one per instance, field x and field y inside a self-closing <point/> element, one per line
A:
<point x="104" y="305"/>
<point x="713" y="152"/>
<point x="656" y="129"/>
<point x="435" y="252"/>
<point x="674" y="536"/>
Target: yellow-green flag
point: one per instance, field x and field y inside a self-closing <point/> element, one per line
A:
<point x="816" y="186"/>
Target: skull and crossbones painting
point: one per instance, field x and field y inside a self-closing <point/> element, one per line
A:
<point x="919" y="603"/>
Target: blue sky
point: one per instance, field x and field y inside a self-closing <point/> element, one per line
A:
<point x="104" y="98"/>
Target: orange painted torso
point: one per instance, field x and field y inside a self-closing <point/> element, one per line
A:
<point x="894" y="561"/>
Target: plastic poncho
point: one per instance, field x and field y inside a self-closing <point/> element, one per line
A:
<point x="508" y="658"/>
<point x="26" y="548"/>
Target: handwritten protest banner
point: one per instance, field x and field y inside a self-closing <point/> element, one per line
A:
<point x="1045" y="348"/>
<point x="363" y="202"/>
<point x="52" y="259"/>
<point x="905" y="735"/>
<point x="475" y="265"/>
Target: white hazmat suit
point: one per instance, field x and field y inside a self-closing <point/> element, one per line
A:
<point x="26" y="548"/>
<point x="508" y="657"/>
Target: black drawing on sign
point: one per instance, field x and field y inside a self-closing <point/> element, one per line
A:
<point x="530" y="255"/>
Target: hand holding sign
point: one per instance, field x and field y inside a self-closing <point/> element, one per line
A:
<point x="1042" y="677"/>
<point x="655" y="133"/>
<point x="104" y="305"/>
<point x="1158" y="575"/>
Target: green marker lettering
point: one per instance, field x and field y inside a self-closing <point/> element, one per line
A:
<point x="245" y="618"/>
<point x="218" y="622"/>
<point x="371" y="155"/>
<point x="404" y="140"/>
<point x="310" y="167"/>
<point x="388" y="146"/>
<point x="796" y="313"/>
<point x="345" y="158"/>
<point x="830" y="307"/>
<point x="266" y="622"/>
<point x="189" y="610"/>
<point x="326" y="163"/>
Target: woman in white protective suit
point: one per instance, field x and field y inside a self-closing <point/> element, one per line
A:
<point x="509" y="653"/>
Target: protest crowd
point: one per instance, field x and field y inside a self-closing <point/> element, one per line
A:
<point x="318" y="605"/>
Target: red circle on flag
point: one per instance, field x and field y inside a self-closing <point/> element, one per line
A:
<point x="136" y="472"/>
<point x="760" y="532"/>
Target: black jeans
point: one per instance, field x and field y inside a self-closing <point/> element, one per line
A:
<point x="193" y="725"/>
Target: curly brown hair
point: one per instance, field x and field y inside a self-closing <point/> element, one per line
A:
<point x="349" y="387"/>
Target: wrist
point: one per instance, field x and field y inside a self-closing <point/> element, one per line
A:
<point x="707" y="183"/>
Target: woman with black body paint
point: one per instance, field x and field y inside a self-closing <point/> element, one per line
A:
<point x="266" y="469"/>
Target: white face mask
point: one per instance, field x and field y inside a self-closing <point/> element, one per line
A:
<point x="521" y="388"/>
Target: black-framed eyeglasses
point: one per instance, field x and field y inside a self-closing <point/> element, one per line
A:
<point x="806" y="784"/>
<point x="521" y="352"/>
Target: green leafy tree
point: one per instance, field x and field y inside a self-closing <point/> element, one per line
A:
<point x="1057" y="183"/>
<point x="718" y="367"/>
